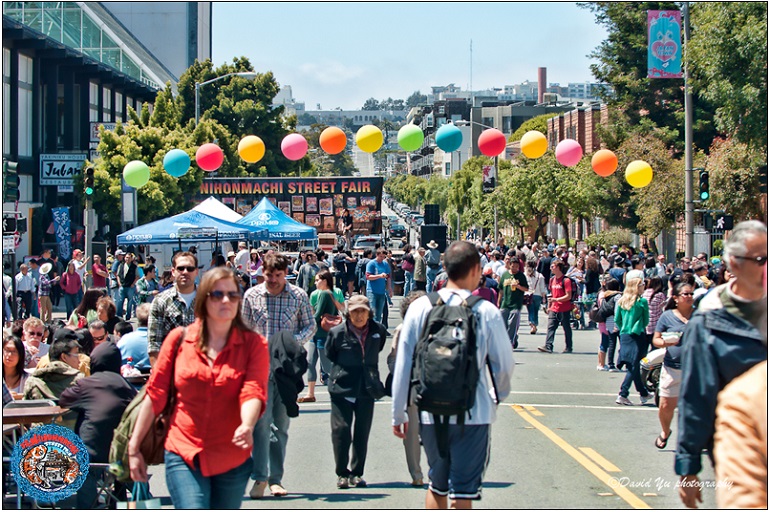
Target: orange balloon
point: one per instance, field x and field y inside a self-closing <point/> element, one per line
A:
<point x="604" y="162"/>
<point x="333" y="140"/>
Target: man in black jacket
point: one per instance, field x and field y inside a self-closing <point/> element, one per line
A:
<point x="99" y="401"/>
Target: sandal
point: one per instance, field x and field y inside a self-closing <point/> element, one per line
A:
<point x="305" y="399"/>
<point x="661" y="442"/>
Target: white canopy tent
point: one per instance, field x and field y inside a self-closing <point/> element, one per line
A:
<point x="217" y="209"/>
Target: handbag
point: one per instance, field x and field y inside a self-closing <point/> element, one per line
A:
<point x="140" y="498"/>
<point x="330" y="321"/>
<point x="527" y="300"/>
<point x="153" y="444"/>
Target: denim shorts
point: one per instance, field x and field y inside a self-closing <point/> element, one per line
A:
<point x="459" y="475"/>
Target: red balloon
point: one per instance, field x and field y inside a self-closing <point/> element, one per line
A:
<point x="491" y="142"/>
<point x="209" y="157"/>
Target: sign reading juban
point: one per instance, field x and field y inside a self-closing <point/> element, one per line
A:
<point x="317" y="202"/>
<point x="664" y="44"/>
<point x="60" y="169"/>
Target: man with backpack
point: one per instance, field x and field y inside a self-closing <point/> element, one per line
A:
<point x="559" y="306"/>
<point x="455" y="398"/>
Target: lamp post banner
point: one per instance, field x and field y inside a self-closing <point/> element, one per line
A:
<point x="61" y="221"/>
<point x="664" y="50"/>
<point x="317" y="202"/>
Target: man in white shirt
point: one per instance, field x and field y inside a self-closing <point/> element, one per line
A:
<point x="25" y="286"/>
<point x="459" y="478"/>
<point x="242" y="258"/>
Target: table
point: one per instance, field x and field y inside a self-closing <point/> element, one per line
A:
<point x="138" y="380"/>
<point x="28" y="415"/>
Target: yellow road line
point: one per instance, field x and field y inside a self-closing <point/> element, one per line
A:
<point x="534" y="411"/>
<point x="604" y="463"/>
<point x="610" y="481"/>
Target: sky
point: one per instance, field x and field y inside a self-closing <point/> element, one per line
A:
<point x="339" y="54"/>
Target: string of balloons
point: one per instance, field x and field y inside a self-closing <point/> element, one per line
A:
<point x="209" y="157"/>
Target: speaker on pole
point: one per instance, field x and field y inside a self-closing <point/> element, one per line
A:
<point x="432" y="214"/>
<point x="433" y="232"/>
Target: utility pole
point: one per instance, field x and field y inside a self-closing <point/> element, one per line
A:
<point x="689" y="204"/>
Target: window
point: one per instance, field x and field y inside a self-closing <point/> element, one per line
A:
<point x="93" y="102"/>
<point x="25" y="105"/>
<point x="106" y="105"/>
<point x="118" y="106"/>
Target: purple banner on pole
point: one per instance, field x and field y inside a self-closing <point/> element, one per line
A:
<point x="664" y="40"/>
<point x="61" y="222"/>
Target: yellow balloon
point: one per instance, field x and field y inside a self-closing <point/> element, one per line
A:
<point x="369" y="138"/>
<point x="638" y="174"/>
<point x="534" y="144"/>
<point x="251" y="149"/>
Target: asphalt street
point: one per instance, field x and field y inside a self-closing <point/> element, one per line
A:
<point x="559" y="442"/>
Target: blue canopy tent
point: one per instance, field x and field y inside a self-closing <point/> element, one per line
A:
<point x="280" y="226"/>
<point x="190" y="228"/>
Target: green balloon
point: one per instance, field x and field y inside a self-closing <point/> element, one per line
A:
<point x="136" y="174"/>
<point x="410" y="137"/>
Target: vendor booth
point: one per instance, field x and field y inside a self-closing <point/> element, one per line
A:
<point x="280" y="226"/>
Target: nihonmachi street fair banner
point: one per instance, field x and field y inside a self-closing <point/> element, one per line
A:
<point x="664" y="44"/>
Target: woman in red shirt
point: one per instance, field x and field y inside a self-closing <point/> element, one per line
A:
<point x="221" y="387"/>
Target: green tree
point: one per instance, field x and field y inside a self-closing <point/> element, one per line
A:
<point x="537" y="123"/>
<point x="416" y="98"/>
<point x="371" y="104"/>
<point x="729" y="55"/>
<point x="734" y="179"/>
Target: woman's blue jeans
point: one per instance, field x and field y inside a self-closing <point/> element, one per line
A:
<point x="191" y="490"/>
<point x="70" y="303"/>
<point x="533" y="308"/>
<point x="408" y="282"/>
<point x="315" y="351"/>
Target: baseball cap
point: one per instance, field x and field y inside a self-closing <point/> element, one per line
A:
<point x="358" y="302"/>
<point x="119" y="252"/>
<point x="65" y="334"/>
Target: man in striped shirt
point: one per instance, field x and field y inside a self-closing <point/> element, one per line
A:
<point x="268" y="308"/>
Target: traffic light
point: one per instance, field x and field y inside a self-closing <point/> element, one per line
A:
<point x="762" y="179"/>
<point x="10" y="181"/>
<point x="703" y="186"/>
<point x="89" y="181"/>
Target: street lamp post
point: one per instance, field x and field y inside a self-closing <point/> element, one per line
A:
<point x="245" y="74"/>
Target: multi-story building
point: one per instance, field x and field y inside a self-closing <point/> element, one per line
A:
<point x="67" y="68"/>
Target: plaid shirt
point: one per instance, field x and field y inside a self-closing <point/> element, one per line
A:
<point x="168" y="312"/>
<point x="290" y="310"/>
<point x="45" y="285"/>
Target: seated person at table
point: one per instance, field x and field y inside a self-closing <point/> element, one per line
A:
<point x="99" y="401"/>
<point x="50" y="382"/>
<point x="86" y="341"/>
<point x="134" y="344"/>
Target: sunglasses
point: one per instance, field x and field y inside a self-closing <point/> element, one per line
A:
<point x="188" y="269"/>
<point x="100" y="338"/>
<point x="686" y="294"/>
<point x="760" y="260"/>
<point x="219" y="296"/>
<point x="34" y="333"/>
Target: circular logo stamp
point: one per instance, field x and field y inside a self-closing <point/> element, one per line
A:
<point x="49" y="463"/>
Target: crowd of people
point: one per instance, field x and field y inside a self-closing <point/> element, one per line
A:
<point x="233" y="324"/>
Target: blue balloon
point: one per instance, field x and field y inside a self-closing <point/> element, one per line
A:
<point x="449" y="138"/>
<point x="176" y="163"/>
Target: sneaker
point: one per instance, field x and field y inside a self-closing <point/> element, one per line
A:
<point x="566" y="351"/>
<point x="343" y="483"/>
<point x="546" y="350"/>
<point x="644" y="399"/>
<point x="602" y="368"/>
<point x="357" y="481"/>
<point x="612" y="369"/>
<point x="621" y="400"/>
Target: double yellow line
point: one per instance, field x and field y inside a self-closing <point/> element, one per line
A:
<point x="600" y="472"/>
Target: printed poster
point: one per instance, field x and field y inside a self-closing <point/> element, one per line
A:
<point x="664" y="50"/>
<point x="326" y="206"/>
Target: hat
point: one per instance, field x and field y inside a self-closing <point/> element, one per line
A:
<point x="45" y="268"/>
<point x="614" y="247"/>
<point x="254" y="251"/>
<point x="432" y="244"/>
<point x="488" y="271"/>
<point x="119" y="252"/>
<point x="358" y="302"/>
<point x="619" y="259"/>
<point x="231" y="254"/>
<point x="241" y="244"/>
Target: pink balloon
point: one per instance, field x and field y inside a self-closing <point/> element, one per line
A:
<point x="294" y="146"/>
<point x="491" y="142"/>
<point x="569" y="152"/>
<point x="209" y="157"/>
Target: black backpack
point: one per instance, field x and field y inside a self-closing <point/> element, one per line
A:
<point x="575" y="287"/>
<point x="607" y="309"/>
<point x="445" y="371"/>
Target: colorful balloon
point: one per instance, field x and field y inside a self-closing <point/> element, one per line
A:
<point x="449" y="138"/>
<point x="251" y="149"/>
<point x="294" y="146"/>
<point x="638" y="174"/>
<point x="176" y="163"/>
<point x="209" y="157"/>
<point x="534" y="144"/>
<point x="410" y="137"/>
<point x="569" y="152"/>
<point x="333" y="140"/>
<point x="136" y="174"/>
<point x="369" y="138"/>
<point x="604" y="162"/>
<point x="491" y="142"/>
